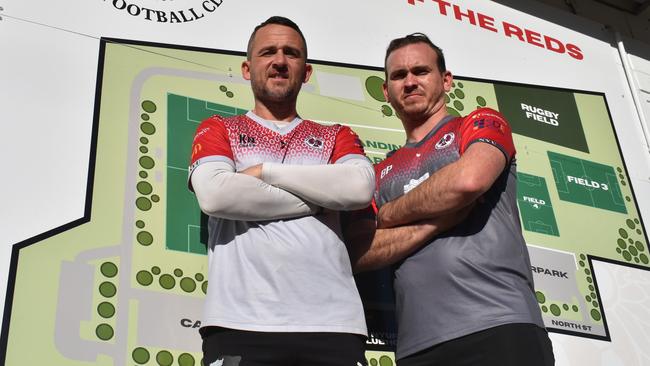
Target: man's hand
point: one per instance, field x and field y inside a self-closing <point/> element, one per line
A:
<point x="373" y="248"/>
<point x="253" y="171"/>
<point x="446" y="222"/>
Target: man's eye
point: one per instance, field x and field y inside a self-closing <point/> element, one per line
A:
<point x="267" y="52"/>
<point x="419" y="72"/>
<point x="289" y="52"/>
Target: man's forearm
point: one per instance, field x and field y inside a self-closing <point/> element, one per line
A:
<point x="451" y="188"/>
<point x="389" y="246"/>
<point x="345" y="186"/>
<point x="372" y="248"/>
<point x="223" y="193"/>
<point x="436" y="196"/>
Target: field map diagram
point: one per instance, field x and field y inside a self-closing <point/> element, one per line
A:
<point x="126" y="285"/>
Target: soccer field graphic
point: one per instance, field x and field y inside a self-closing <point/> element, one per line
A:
<point x="535" y="205"/>
<point x="125" y="285"/>
<point x="586" y="183"/>
<point x="187" y="226"/>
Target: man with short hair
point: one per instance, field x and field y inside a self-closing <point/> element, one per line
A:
<point x="448" y="221"/>
<point x="281" y="290"/>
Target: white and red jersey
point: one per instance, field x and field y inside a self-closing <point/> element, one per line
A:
<point x="247" y="140"/>
<point x="290" y="275"/>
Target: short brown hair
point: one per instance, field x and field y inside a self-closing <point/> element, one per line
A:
<point x="413" y="38"/>
<point x="279" y="21"/>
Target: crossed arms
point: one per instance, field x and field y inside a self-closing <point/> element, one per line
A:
<point x="272" y="191"/>
<point x="437" y="204"/>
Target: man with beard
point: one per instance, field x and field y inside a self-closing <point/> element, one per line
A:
<point x="281" y="290"/>
<point x="447" y="220"/>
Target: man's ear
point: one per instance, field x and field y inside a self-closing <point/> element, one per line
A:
<point x="447" y="80"/>
<point x="384" y="88"/>
<point x="308" y="71"/>
<point x="246" y="70"/>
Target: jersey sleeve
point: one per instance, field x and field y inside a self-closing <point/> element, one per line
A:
<point x="346" y="145"/>
<point x="489" y="126"/>
<point x="211" y="143"/>
<point x="375" y="195"/>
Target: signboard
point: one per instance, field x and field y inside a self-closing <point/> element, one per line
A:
<point x="126" y="283"/>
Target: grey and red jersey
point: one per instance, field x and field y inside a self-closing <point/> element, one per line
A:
<point x="290" y="275"/>
<point x="477" y="275"/>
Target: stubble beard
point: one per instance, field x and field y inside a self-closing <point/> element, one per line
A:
<point x="274" y="96"/>
<point x="283" y="95"/>
<point x="415" y="114"/>
<point x="412" y="114"/>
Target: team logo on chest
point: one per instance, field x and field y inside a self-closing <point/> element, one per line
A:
<point x="445" y="141"/>
<point x="314" y="142"/>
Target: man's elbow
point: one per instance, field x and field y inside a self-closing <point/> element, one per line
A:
<point x="363" y="265"/>
<point x="360" y="190"/>
<point x="217" y="207"/>
<point x="471" y="187"/>
<point x="211" y="210"/>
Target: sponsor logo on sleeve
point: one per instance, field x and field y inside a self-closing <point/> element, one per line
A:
<point x="488" y="141"/>
<point x="201" y="132"/>
<point x="196" y="149"/>
<point x="493" y="124"/>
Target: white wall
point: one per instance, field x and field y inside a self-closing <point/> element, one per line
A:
<point x="630" y="25"/>
<point x="641" y="69"/>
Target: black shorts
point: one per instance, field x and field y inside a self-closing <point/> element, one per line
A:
<point x="231" y="347"/>
<point x="505" y="345"/>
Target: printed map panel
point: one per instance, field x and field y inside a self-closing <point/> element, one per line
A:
<point x="127" y="286"/>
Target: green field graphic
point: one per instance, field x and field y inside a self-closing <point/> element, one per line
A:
<point x="535" y="205"/>
<point x="547" y="115"/>
<point x="586" y="183"/>
<point x="186" y="225"/>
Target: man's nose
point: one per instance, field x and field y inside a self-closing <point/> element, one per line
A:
<point x="279" y="59"/>
<point x="410" y="81"/>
